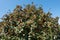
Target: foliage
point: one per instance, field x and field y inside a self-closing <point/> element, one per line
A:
<point x="29" y="23"/>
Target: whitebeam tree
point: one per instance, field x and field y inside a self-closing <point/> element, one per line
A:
<point x="29" y="23"/>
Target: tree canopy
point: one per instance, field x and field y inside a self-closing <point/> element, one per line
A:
<point x="29" y="23"/>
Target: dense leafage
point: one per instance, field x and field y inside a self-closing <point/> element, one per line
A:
<point x="30" y="23"/>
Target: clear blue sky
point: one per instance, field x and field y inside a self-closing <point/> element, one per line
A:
<point x="53" y="5"/>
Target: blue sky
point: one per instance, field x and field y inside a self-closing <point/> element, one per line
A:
<point x="48" y="5"/>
